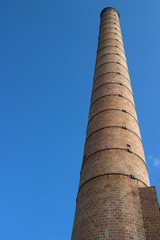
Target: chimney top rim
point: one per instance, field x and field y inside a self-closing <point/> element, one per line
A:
<point x="108" y="9"/>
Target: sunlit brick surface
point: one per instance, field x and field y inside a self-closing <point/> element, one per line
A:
<point x="109" y="202"/>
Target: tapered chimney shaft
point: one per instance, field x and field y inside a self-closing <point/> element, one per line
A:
<point x="114" y="168"/>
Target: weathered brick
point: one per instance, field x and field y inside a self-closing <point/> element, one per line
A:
<point x="115" y="200"/>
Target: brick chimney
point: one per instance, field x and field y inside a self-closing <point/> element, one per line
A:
<point x="114" y="200"/>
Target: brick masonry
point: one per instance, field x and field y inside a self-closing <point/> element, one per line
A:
<point x="115" y="200"/>
<point x="150" y="211"/>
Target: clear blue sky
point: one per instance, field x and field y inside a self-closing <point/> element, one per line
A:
<point x="48" y="51"/>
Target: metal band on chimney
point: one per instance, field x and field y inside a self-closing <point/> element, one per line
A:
<point x="107" y="149"/>
<point x="125" y="128"/>
<point x="97" y="59"/>
<point x="110" y="18"/>
<point x="94" y="80"/>
<point x="110" y="95"/>
<point x="107" y="83"/>
<point x="108" y="174"/>
<point x="113" y="109"/>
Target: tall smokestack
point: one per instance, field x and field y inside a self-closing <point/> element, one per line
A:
<point x="114" y="183"/>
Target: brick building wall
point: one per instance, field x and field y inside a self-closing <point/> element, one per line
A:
<point x="114" y="177"/>
<point x="151" y="213"/>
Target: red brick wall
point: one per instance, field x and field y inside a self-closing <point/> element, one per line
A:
<point x="151" y="213"/>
